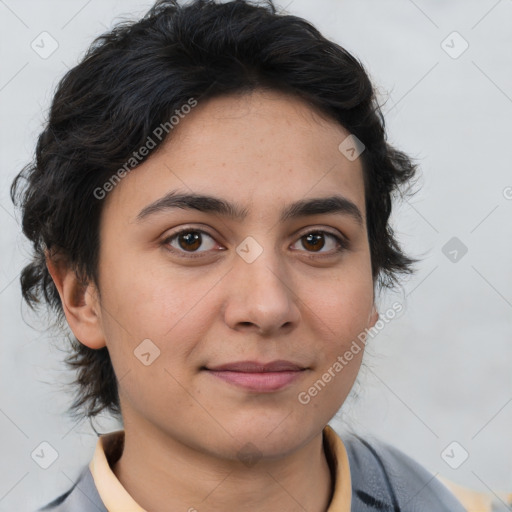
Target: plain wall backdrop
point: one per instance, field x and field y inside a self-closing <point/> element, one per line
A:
<point x="441" y="371"/>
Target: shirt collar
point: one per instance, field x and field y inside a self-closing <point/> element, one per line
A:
<point x="116" y="499"/>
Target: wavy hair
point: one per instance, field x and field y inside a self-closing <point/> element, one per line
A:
<point x="131" y="80"/>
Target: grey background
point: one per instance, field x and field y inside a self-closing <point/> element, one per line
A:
<point x="438" y="373"/>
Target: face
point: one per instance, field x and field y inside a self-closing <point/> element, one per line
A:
<point x="206" y="288"/>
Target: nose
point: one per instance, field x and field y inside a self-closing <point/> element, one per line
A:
<point x="261" y="297"/>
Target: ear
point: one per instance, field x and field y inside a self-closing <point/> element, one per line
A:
<point x="374" y="316"/>
<point x="80" y="302"/>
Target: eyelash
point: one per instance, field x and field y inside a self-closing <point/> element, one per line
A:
<point x="341" y="241"/>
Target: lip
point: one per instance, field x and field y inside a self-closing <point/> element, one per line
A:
<point x="257" y="376"/>
<point x="257" y="367"/>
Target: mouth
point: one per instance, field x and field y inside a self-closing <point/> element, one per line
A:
<point x="256" y="376"/>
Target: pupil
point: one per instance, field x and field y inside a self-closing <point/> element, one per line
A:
<point x="192" y="240"/>
<point x="317" y="238"/>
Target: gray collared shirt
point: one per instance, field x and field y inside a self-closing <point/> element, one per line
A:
<point x="383" y="479"/>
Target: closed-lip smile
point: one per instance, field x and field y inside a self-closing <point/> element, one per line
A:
<point x="258" y="376"/>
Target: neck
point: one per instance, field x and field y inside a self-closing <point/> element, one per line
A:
<point x="161" y="474"/>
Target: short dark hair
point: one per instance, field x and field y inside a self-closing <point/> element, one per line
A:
<point x="133" y="79"/>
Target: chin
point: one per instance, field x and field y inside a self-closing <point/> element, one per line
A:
<point x="274" y="437"/>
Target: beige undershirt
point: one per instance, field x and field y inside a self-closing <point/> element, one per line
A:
<point x="116" y="498"/>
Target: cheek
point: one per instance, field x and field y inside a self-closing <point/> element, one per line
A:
<point x="343" y="307"/>
<point x="159" y="306"/>
<point x="155" y="302"/>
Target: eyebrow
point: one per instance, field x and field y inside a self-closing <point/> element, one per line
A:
<point x="209" y="204"/>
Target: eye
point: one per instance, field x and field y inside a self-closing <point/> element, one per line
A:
<point x="314" y="241"/>
<point x="188" y="240"/>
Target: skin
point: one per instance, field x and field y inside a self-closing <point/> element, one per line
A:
<point x="184" y="426"/>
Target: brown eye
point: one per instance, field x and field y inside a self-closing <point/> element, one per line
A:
<point x="190" y="241"/>
<point x="315" y="241"/>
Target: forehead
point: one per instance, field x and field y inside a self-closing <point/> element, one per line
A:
<point x="264" y="149"/>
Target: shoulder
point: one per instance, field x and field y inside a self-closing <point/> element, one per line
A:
<point x="81" y="497"/>
<point x="384" y="478"/>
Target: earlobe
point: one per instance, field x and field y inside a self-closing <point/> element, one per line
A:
<point x="374" y="316"/>
<point x="80" y="303"/>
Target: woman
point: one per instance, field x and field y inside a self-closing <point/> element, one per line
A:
<point x="209" y="210"/>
